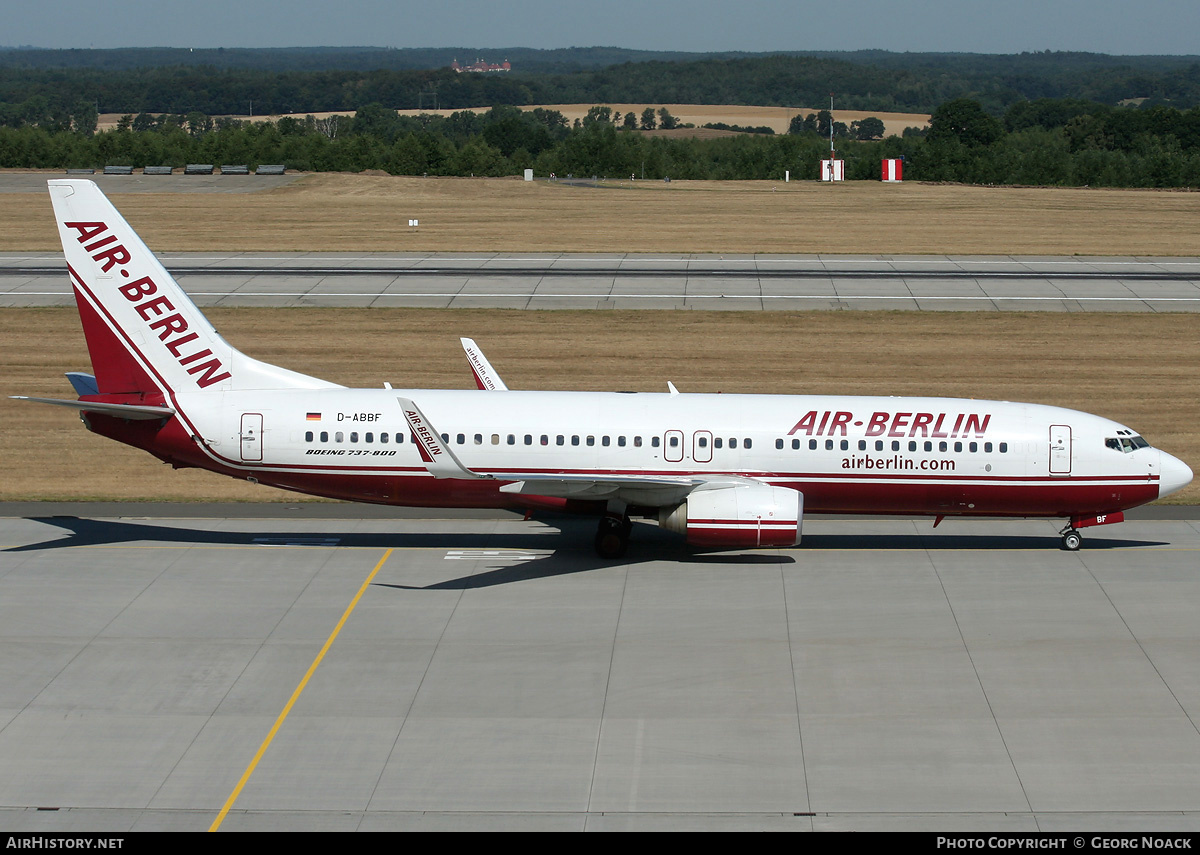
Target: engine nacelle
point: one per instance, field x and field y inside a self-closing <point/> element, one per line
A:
<point x="738" y="517"/>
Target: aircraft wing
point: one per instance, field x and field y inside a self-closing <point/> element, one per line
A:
<point x="632" y="488"/>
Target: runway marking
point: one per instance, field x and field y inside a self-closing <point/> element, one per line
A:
<point x="608" y="295"/>
<point x="557" y="259"/>
<point x="295" y="696"/>
<point x="298" y="541"/>
<point x="497" y="554"/>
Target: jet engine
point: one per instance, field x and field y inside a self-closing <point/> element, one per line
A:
<point x="738" y="517"/>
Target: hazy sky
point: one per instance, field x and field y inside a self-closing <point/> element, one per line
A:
<point x="977" y="26"/>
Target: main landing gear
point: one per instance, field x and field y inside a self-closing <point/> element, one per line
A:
<point x="1071" y="539"/>
<point x="612" y="536"/>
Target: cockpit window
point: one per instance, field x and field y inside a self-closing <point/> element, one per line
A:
<point x="1126" y="444"/>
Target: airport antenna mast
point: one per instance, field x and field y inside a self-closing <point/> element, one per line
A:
<point x="832" y="154"/>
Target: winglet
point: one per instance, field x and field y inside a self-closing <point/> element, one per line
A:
<point x="435" y="453"/>
<point x="485" y="376"/>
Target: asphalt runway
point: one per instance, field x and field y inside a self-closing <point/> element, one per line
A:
<point x="489" y="673"/>
<point x="636" y="281"/>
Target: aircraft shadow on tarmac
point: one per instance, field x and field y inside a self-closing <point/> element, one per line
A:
<point x="552" y="555"/>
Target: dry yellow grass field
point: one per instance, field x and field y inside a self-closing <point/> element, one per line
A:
<point x="371" y="212"/>
<point x="1137" y="368"/>
<point x="776" y="118"/>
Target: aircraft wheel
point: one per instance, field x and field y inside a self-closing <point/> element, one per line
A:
<point x="1072" y="540"/>
<point x="612" y="538"/>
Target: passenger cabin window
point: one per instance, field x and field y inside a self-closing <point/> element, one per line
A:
<point x="308" y="436"/>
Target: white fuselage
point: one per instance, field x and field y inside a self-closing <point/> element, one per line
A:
<point x="925" y="455"/>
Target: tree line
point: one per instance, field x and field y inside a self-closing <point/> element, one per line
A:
<point x="246" y="82"/>
<point x="1068" y="142"/>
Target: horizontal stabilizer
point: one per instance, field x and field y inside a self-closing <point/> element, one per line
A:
<point x="134" y="412"/>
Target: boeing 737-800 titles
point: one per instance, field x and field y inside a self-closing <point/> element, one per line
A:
<point x="725" y="471"/>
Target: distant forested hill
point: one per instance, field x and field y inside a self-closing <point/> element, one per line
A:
<point x="300" y="80"/>
<point x="340" y="58"/>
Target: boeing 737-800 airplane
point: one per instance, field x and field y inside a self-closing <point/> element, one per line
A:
<point x="725" y="471"/>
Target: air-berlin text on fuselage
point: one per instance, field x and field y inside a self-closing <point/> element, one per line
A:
<point x="202" y="364"/>
<point x="937" y="425"/>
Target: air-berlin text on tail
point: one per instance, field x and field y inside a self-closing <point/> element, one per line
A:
<point x="202" y="364"/>
<point x="937" y="425"/>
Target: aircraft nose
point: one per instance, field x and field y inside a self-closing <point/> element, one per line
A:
<point x="1173" y="474"/>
